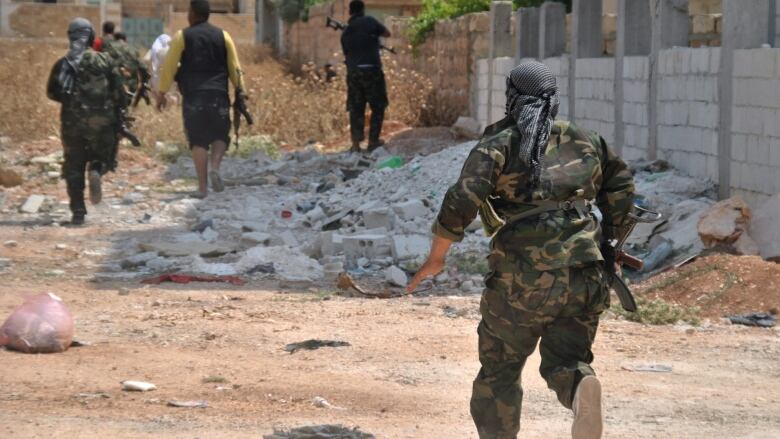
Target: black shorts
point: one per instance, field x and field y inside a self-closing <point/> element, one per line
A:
<point x="206" y="118"/>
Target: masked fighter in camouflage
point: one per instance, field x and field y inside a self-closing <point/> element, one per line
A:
<point x="549" y="193"/>
<point x="89" y="87"/>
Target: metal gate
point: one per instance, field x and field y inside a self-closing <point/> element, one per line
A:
<point x="142" y="31"/>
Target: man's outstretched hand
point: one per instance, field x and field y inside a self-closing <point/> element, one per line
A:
<point x="431" y="267"/>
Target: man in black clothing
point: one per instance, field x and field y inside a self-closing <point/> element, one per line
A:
<point x="365" y="79"/>
<point x="202" y="58"/>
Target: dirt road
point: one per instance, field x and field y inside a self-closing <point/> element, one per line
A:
<point x="407" y="373"/>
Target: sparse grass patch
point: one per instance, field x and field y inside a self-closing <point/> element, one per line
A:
<point x="659" y="312"/>
<point x="214" y="379"/>
<point x="470" y="263"/>
<point x="247" y="146"/>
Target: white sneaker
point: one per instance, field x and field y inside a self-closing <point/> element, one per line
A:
<point x="587" y="409"/>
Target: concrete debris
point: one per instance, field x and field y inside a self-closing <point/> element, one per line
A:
<point x="321" y="402"/>
<point x="320" y="432"/>
<point x="467" y="127"/>
<point x="724" y="222"/>
<point x="186" y="248"/>
<point x="137" y="386"/>
<point x="308" y="216"/>
<point x="765" y="230"/>
<point x="396" y="276"/>
<point x="188" y="404"/>
<point x="11" y="243"/>
<point x="33" y="204"/>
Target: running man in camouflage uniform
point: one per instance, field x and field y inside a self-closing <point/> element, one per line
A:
<point x="365" y="78"/>
<point x="89" y="87"/>
<point x="549" y="193"/>
<point x="133" y="69"/>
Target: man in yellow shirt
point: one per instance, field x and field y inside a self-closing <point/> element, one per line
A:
<point x="202" y="58"/>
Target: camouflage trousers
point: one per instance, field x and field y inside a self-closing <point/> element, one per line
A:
<point x="561" y="308"/>
<point x="87" y="146"/>
<point x="366" y="86"/>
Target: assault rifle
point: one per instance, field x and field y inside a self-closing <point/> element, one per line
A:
<point x="639" y="215"/>
<point x="240" y="109"/>
<point x="125" y="124"/>
<point x="337" y="25"/>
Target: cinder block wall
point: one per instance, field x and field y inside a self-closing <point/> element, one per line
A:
<point x="687" y="110"/>
<point x="755" y="141"/>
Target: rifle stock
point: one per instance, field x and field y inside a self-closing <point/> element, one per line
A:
<point x="337" y="25"/>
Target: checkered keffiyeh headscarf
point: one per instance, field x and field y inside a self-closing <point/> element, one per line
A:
<point x="532" y="101"/>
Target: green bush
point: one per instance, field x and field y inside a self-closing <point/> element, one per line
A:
<point x="659" y="312"/>
<point x="434" y="11"/>
<point x="294" y="10"/>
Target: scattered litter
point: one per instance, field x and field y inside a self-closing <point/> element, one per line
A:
<point x="188" y="404"/>
<point x="320" y="432"/>
<point x="314" y="344"/>
<point x="187" y="278"/>
<point x="760" y="319"/>
<point x="137" y="386"/>
<point x="11" y="243"/>
<point x="321" y="402"/>
<point x="96" y="395"/>
<point x="42" y="324"/>
<point x="660" y="368"/>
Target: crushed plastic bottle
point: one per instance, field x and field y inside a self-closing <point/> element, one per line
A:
<point x="392" y="162"/>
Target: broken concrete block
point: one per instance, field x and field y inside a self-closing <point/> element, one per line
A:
<point x="187" y="248"/>
<point x="381" y="217"/>
<point x="254" y="226"/>
<point x="288" y="238"/>
<point x="365" y="246"/>
<point x="765" y="230"/>
<point x="724" y="222"/>
<point x="410" y="246"/>
<point x="411" y="209"/>
<point x="745" y="245"/>
<point x="467" y="127"/>
<point x="396" y="276"/>
<point x="256" y="238"/>
<point x="332" y="243"/>
<point x="137" y="260"/>
<point x="33" y="204"/>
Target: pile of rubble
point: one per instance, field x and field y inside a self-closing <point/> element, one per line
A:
<point x="308" y="216"/>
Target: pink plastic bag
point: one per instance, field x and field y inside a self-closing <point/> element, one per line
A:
<point x="42" y="324"/>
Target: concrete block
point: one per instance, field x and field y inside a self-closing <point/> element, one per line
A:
<point x="709" y="142"/>
<point x="697" y="165"/>
<point x="704" y="115"/>
<point x="527" y="33"/>
<point x="552" y="29"/>
<point x="410" y="210"/>
<point x="758" y="150"/>
<point x="380" y="217"/>
<point x="739" y="147"/>
<point x="500" y="29"/>
<point x="406" y="247"/>
<point x="586" y="28"/>
<point x="755" y="63"/>
<point x="634" y="27"/>
<point x="370" y="246"/>
<point x="396" y="276"/>
<point x="700" y="61"/>
<point x="501" y="67"/>
<point x="256" y="238"/>
<point x="332" y="243"/>
<point x="712" y="168"/>
<point x="774" y="152"/>
<point x="32" y="204"/>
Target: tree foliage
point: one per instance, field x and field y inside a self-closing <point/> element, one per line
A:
<point x="434" y="11"/>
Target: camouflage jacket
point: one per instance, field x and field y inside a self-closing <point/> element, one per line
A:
<point x="133" y="69"/>
<point x="575" y="159"/>
<point x="97" y="96"/>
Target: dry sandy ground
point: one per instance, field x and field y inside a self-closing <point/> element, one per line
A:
<point x="407" y="373"/>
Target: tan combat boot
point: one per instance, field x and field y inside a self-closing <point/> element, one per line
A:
<point x="587" y="409"/>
